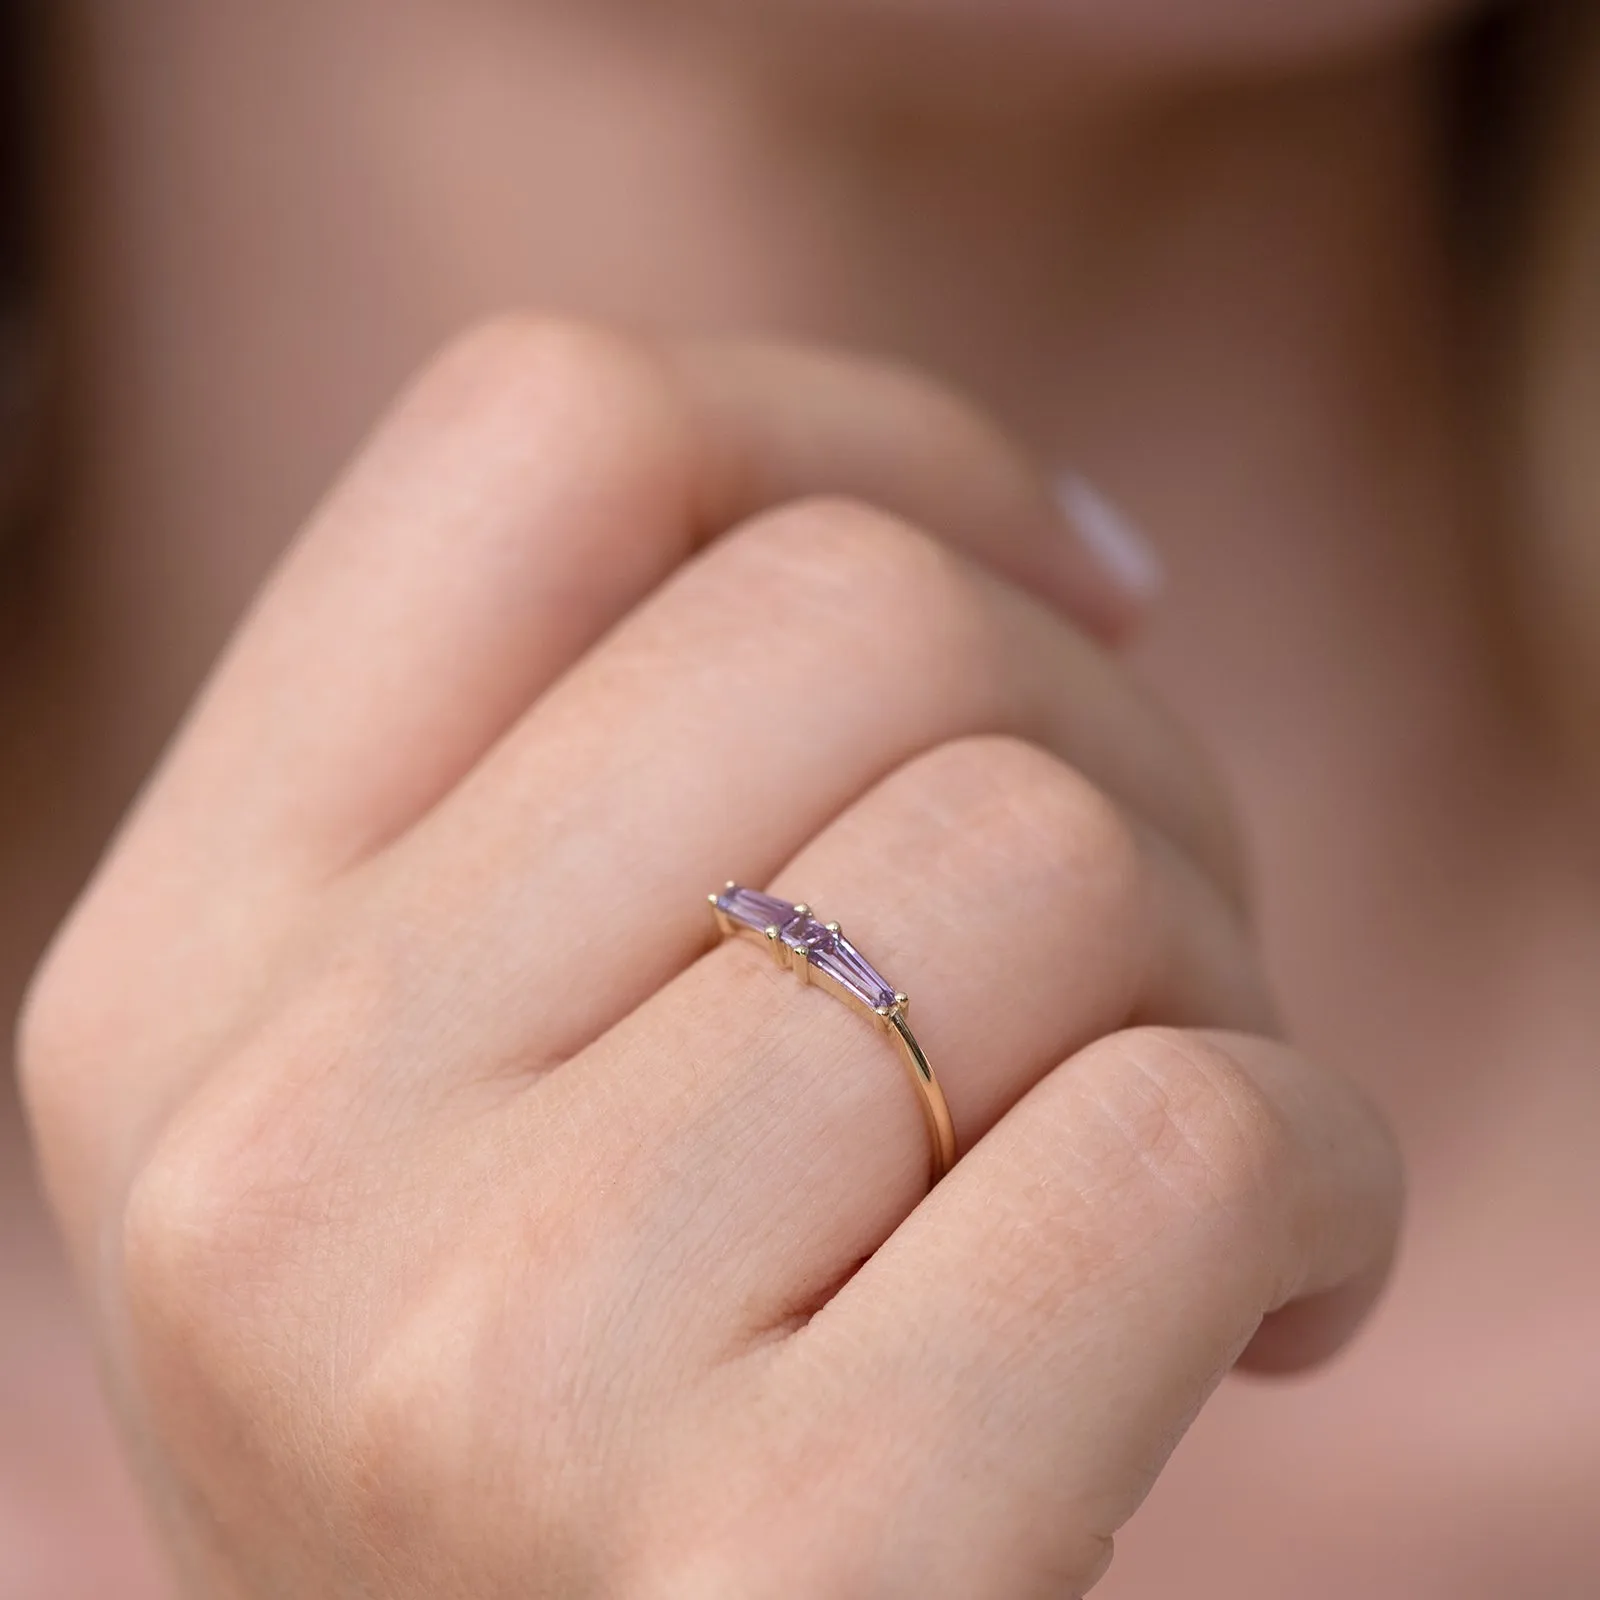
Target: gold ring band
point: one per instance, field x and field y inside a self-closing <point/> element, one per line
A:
<point x="818" y="952"/>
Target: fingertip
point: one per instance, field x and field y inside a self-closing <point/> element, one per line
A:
<point x="1121" y="561"/>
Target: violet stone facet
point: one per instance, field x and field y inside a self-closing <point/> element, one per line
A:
<point x="856" y="973"/>
<point x="832" y="953"/>
<point x="806" y="933"/>
<point x="752" y="909"/>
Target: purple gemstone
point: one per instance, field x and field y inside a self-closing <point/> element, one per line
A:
<point x="806" y="933"/>
<point x="752" y="909"/>
<point x="834" y="954"/>
<point x="856" y="973"/>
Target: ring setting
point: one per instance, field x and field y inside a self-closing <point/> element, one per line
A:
<point x="818" y="952"/>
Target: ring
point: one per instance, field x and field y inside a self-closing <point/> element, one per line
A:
<point x="819" y="953"/>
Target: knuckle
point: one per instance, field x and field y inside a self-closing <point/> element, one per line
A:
<point x="196" y="1233"/>
<point x="703" y="1552"/>
<point x="520" y="374"/>
<point x="842" y="570"/>
<point x="429" y="1404"/>
<point x="687" y="1569"/>
<point x="506" y="348"/>
<point x="1025" y="805"/>
<point x="412" y="1424"/>
<point x="218" y="1360"/>
<point x="836" y="540"/>
<point x="230" y="1223"/>
<point x="1199" y="1131"/>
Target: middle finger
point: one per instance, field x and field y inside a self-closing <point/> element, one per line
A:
<point x="749" y="702"/>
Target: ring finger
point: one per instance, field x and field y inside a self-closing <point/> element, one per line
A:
<point x="732" y="717"/>
<point x="1024" y="914"/>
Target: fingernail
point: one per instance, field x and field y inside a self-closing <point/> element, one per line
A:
<point x="1112" y="539"/>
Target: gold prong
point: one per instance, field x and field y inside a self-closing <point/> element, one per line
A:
<point x="902" y="1002"/>
<point x="802" y="911"/>
<point x="833" y="927"/>
<point x="712" y="901"/>
<point x="730" y="884"/>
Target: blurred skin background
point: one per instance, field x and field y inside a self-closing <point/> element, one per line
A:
<point x="1301" y="284"/>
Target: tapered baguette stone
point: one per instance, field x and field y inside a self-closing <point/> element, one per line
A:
<point x="829" y="951"/>
<point x="752" y="909"/>
<point x="807" y="945"/>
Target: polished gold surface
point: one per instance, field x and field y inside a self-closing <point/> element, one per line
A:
<point x="941" y="1130"/>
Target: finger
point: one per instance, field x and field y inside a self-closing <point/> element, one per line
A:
<point x="537" y="482"/>
<point x="563" y="880"/>
<point x="888" y="435"/>
<point x="782" y="1141"/>
<point x="1012" y="1369"/>
<point x="740" y="710"/>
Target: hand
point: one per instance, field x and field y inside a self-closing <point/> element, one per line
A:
<point x="459" y="1222"/>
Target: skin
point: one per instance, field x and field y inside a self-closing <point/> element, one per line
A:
<point x="1002" y="250"/>
<point x="349" y="873"/>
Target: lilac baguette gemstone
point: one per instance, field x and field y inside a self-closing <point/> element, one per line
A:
<point x="832" y="953"/>
<point x="752" y="909"/>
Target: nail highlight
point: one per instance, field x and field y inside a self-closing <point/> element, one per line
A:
<point x="1114" y="541"/>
